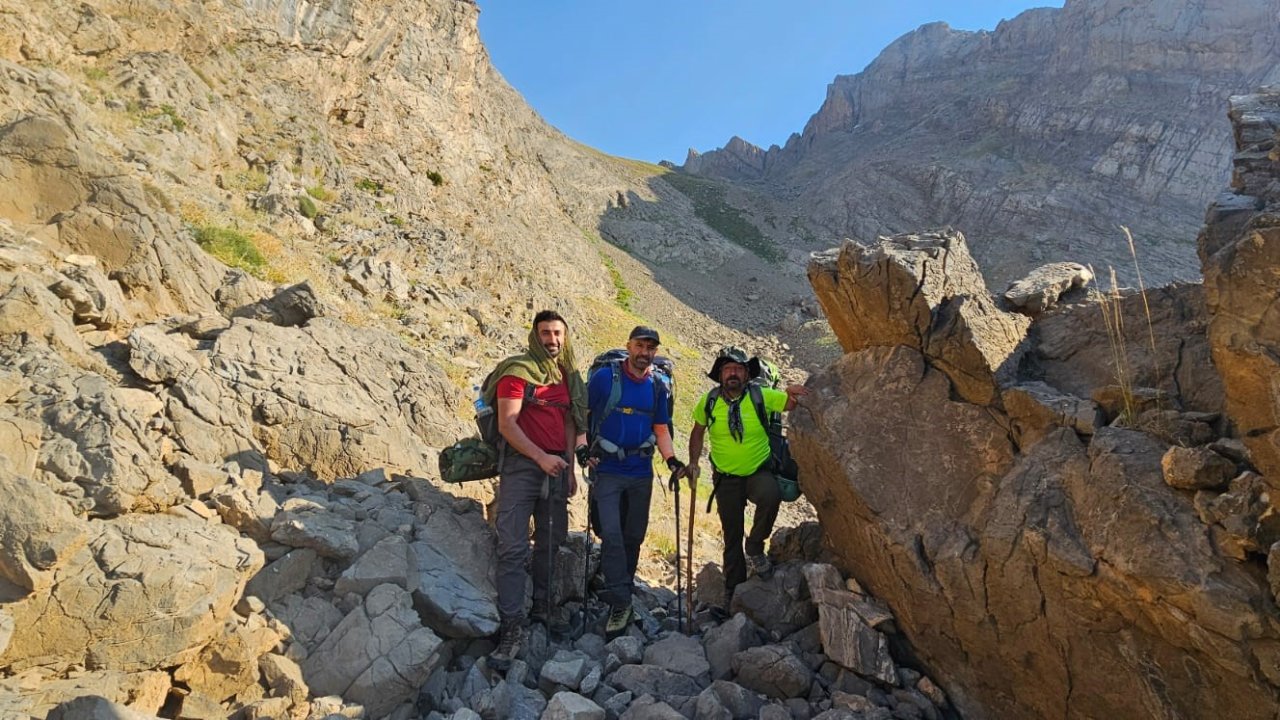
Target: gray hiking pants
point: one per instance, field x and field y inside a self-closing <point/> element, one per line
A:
<point x="732" y="494"/>
<point x="521" y="497"/>
<point x="622" y="504"/>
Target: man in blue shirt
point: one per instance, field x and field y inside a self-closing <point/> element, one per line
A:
<point x="624" y="439"/>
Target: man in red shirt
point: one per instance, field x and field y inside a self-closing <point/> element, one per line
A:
<point x="541" y="411"/>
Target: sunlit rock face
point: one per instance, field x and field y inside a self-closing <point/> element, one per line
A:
<point x="1096" y="536"/>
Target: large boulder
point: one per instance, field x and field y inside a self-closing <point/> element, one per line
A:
<point x="922" y="291"/>
<point x="364" y="401"/>
<point x="455" y="591"/>
<point x="991" y="561"/>
<point x="1035" y="559"/>
<point x="101" y="608"/>
<point x="1239" y="254"/>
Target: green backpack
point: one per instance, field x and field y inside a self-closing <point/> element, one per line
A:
<point x="479" y="457"/>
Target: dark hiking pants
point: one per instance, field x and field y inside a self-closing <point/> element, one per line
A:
<point x="622" y="507"/>
<point x="520" y="497"/>
<point x="732" y="494"/>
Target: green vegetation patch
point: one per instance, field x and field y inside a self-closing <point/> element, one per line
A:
<point x="307" y="207"/>
<point x="372" y="186"/>
<point x="232" y="247"/>
<point x="622" y="295"/>
<point x="168" y="111"/>
<point x="709" y="205"/>
<point x="319" y="192"/>
<point x="435" y="177"/>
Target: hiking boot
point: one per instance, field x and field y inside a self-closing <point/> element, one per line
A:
<point x="509" y="642"/>
<point x="619" y="618"/>
<point x="759" y="566"/>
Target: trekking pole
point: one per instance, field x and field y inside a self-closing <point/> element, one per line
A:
<point x="551" y="548"/>
<point x="586" y="563"/>
<point x="675" y="483"/>
<point x="693" y="517"/>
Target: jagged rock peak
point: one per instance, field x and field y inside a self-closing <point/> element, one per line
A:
<point x="1037" y="138"/>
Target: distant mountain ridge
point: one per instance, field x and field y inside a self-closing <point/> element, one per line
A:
<point x="1036" y="139"/>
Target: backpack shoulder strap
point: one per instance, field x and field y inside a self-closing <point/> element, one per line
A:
<point x="757" y="401"/>
<point x="712" y="395"/>
<point x="611" y="402"/>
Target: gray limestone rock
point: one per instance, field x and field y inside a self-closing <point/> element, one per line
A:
<point x="100" y="608"/>
<point x="572" y="706"/>
<point x="38" y="532"/>
<point x="847" y="638"/>
<point x="392" y="560"/>
<point x="282" y="577"/>
<point x="772" y="670"/>
<point x="161" y="357"/>
<point x="679" y="653"/>
<point x="651" y="680"/>
<point x="646" y="707"/>
<point x="627" y="649"/>
<point x="293" y="306"/>
<point x="729" y="638"/>
<point x="455" y="587"/>
<point x="738" y="702"/>
<point x="1042" y="287"/>
<point x="310" y="526"/>
<point x="378" y="656"/>
<point x="780" y="603"/>
<point x="565" y="670"/>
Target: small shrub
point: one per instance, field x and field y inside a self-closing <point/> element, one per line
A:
<point x="168" y="111"/>
<point x="319" y="192"/>
<point x="96" y="74"/>
<point x="232" y="247"/>
<point x="307" y="207"/>
<point x="373" y="187"/>
<point x="249" y="180"/>
<point x="436" y="178"/>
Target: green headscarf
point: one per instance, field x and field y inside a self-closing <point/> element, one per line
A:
<point x="539" y="368"/>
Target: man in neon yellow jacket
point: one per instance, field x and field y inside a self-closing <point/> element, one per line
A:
<point x="740" y="458"/>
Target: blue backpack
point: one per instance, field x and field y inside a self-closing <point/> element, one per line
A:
<point x="663" y="387"/>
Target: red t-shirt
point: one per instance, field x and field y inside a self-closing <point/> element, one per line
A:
<point x="543" y="424"/>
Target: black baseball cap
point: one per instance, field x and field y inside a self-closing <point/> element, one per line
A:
<point x="644" y="332"/>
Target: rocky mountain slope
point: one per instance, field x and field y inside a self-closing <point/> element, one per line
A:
<point x="1073" y="514"/>
<point x="251" y="259"/>
<point x="1036" y="139"/>
<point x="252" y="256"/>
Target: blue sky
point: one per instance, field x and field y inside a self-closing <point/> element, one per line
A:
<point x="649" y="80"/>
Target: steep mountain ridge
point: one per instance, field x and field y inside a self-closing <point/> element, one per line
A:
<point x="1036" y="139"/>
<point x="418" y="154"/>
